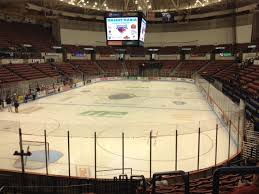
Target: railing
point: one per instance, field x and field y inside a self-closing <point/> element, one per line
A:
<point x="31" y="183"/>
<point x="230" y="114"/>
<point x="117" y="169"/>
<point x="231" y="170"/>
<point x="158" y="177"/>
<point x="12" y="182"/>
<point x="148" y="157"/>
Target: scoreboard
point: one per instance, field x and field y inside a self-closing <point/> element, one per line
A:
<point x="125" y="29"/>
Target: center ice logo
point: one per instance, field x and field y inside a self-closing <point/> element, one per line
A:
<point x="121" y="28"/>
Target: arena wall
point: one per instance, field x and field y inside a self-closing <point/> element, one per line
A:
<point x="214" y="31"/>
<point x="82" y="37"/>
<point x="199" y="37"/>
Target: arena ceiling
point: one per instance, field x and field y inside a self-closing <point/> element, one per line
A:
<point x="154" y="5"/>
<point x="98" y="7"/>
<point x="128" y="5"/>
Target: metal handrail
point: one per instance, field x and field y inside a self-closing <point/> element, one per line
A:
<point x="114" y="169"/>
<point x="170" y="173"/>
<point x="142" y="178"/>
<point x="231" y="170"/>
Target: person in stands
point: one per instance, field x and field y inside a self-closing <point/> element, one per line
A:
<point x="33" y="94"/>
<point x="16" y="105"/>
<point x="8" y="101"/>
<point x="1" y="104"/>
<point x="246" y="188"/>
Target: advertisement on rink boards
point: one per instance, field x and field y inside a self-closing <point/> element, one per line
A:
<point x="141" y="79"/>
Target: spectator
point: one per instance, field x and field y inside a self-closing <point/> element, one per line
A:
<point x="247" y="188"/>
<point x="33" y="94"/>
<point x="16" y="105"/>
<point x="26" y="98"/>
<point x="1" y="104"/>
<point x="8" y="101"/>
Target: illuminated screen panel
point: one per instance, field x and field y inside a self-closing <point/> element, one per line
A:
<point x="122" y="28"/>
<point x="143" y="30"/>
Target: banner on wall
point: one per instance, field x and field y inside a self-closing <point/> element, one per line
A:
<point x="76" y="56"/>
<point x="198" y="54"/>
<point x="12" y="61"/>
<point x="169" y="57"/>
<point x="132" y="78"/>
<point x="165" y="78"/>
<point x="36" y="61"/>
<point x="153" y="78"/>
<point x="141" y="79"/>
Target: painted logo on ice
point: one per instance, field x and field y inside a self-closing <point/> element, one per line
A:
<point x="113" y="114"/>
<point x="179" y="102"/>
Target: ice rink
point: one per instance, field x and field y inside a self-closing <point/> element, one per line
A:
<point x="111" y="108"/>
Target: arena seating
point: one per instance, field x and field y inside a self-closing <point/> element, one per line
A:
<point x="173" y="185"/>
<point x="188" y="68"/>
<point x="67" y="69"/>
<point x="133" y="66"/>
<point x="73" y="48"/>
<point x="227" y="74"/>
<point x="253" y="88"/>
<point x="240" y="82"/>
<point x="26" y="71"/>
<point x="249" y="74"/>
<point x="202" y="49"/>
<point x="169" y="50"/>
<point x="242" y="47"/>
<point x="46" y="69"/>
<point x="216" y="66"/>
<point x="168" y="67"/>
<point x="111" y="68"/>
<point x="202" y="185"/>
<point x="87" y="67"/>
<point x="104" y="50"/>
<point x="138" y="51"/>
<point x="7" y="76"/>
<point x="17" y="34"/>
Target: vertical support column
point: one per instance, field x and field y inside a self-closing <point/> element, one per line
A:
<point x="199" y="146"/>
<point x="68" y="153"/>
<point x="216" y="144"/>
<point x="46" y="152"/>
<point x="21" y="151"/>
<point x="176" y="148"/>
<point x="95" y="157"/>
<point x="150" y="154"/>
<point x="22" y="159"/>
<point x="238" y="133"/>
<point x="229" y="139"/>
<point x="122" y="153"/>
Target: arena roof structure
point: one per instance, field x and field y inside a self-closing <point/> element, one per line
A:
<point x="134" y="5"/>
<point x="154" y="9"/>
<point x="155" y="5"/>
<point x="152" y="5"/>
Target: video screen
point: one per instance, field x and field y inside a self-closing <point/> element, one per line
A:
<point x="143" y="30"/>
<point x="122" y="28"/>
